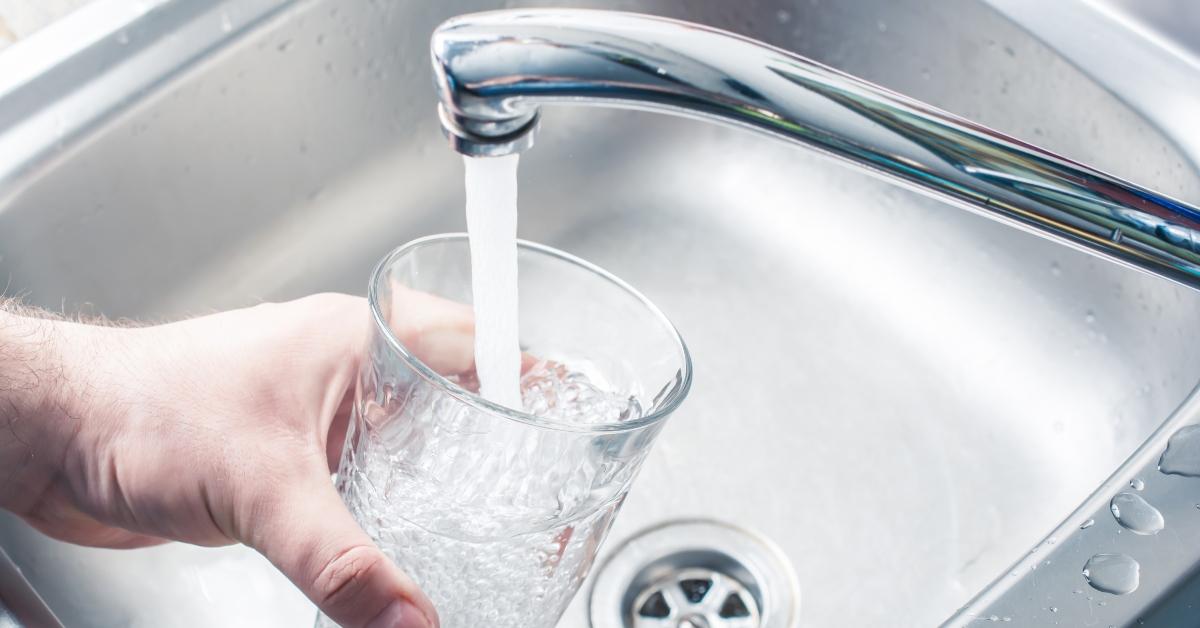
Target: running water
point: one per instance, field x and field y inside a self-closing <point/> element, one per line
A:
<point x="492" y="227"/>
<point x="508" y="531"/>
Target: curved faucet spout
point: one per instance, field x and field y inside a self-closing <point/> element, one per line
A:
<point x="495" y="69"/>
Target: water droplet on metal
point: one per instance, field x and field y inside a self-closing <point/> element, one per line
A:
<point x="1136" y="514"/>
<point x="1182" y="456"/>
<point x="1112" y="573"/>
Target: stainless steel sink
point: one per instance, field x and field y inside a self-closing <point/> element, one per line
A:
<point x="903" y="428"/>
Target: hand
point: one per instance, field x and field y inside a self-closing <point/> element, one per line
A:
<point x="214" y="430"/>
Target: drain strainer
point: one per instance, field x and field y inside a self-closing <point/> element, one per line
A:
<point x="695" y="574"/>
<point x="696" y="598"/>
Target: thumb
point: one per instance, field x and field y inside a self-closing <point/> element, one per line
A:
<point x="314" y="541"/>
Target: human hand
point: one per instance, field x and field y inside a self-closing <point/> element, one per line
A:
<point x="214" y="430"/>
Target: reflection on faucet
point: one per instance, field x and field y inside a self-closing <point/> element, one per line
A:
<point x="494" y="69"/>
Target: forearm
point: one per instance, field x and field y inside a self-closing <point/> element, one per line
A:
<point x="39" y="390"/>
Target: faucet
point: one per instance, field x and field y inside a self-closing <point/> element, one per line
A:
<point x="495" y="69"/>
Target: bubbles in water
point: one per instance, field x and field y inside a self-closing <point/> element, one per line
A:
<point x="1182" y="456"/>
<point x="514" y="539"/>
<point x="1117" y="574"/>
<point x="1135" y="514"/>
<point x="1087" y="524"/>
<point x="551" y="391"/>
<point x="1137" y="484"/>
<point x="1053" y="609"/>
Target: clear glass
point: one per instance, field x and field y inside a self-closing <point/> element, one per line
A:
<point x="498" y="514"/>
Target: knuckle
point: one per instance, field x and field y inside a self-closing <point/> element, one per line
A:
<point x="346" y="575"/>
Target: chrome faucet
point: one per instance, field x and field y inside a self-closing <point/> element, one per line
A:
<point x="495" y="69"/>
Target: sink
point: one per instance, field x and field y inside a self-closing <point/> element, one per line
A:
<point x="902" y="427"/>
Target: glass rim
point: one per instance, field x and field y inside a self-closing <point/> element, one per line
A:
<point x="668" y="406"/>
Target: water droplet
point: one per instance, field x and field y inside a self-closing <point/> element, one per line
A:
<point x="1053" y="609"/>
<point x="925" y="74"/>
<point x="284" y="45"/>
<point x="1055" y="269"/>
<point x="1135" y="514"/>
<point x="1137" y="484"/>
<point x="1090" y="317"/>
<point x="321" y="39"/>
<point x="1112" y="573"/>
<point x="1087" y="524"/>
<point x="784" y="16"/>
<point x="882" y="26"/>
<point x="1182" y="456"/>
<point x="226" y="23"/>
<point x="122" y="37"/>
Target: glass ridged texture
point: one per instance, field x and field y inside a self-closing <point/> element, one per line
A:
<point x="499" y="514"/>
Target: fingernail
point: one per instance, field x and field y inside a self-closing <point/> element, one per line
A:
<point x="400" y="614"/>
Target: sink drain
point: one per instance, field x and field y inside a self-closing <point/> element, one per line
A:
<point x="696" y="598"/>
<point x="695" y="574"/>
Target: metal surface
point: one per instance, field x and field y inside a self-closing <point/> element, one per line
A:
<point x="903" y="425"/>
<point x="20" y="605"/>
<point x="1128" y="47"/>
<point x="1047" y="586"/>
<point x="703" y="573"/>
<point x="696" y="598"/>
<point x="495" y="69"/>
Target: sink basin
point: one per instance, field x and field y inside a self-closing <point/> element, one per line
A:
<point x="903" y="427"/>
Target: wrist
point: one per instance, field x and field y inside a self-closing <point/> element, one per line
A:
<point x="43" y="384"/>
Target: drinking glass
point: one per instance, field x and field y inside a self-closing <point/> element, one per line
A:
<point x="498" y="513"/>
